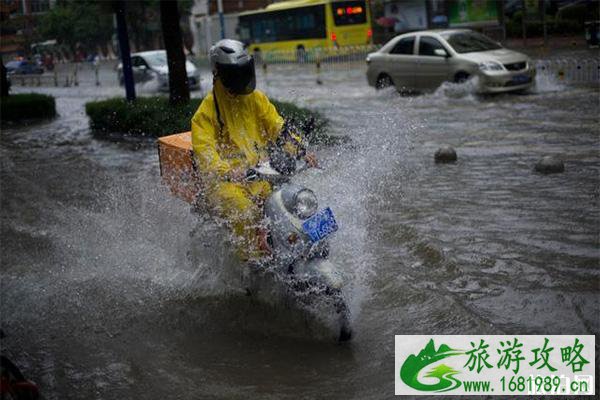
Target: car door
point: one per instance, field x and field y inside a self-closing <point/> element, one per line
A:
<point x="401" y="63"/>
<point x="433" y="63"/>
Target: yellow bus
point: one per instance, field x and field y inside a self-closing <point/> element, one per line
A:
<point x="305" y="25"/>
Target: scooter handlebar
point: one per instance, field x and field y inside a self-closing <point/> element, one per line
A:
<point x="266" y="172"/>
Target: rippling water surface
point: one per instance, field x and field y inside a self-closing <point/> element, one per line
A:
<point x="111" y="288"/>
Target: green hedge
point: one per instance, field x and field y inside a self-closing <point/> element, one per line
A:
<point x="536" y="28"/>
<point x="19" y="107"/>
<point x="554" y="26"/>
<point x="154" y="117"/>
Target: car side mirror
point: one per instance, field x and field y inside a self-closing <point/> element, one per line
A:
<point x="441" y="53"/>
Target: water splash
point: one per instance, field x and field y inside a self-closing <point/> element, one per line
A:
<point x="547" y="82"/>
<point x="462" y="90"/>
<point x="152" y="85"/>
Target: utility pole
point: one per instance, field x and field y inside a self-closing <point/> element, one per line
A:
<point x="221" y="17"/>
<point x="500" y="9"/>
<point x="119" y="7"/>
<point x="544" y="23"/>
<point x="523" y="22"/>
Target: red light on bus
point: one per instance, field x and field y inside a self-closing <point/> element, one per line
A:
<point x="333" y="37"/>
<point x="349" y="11"/>
<point x="369" y="33"/>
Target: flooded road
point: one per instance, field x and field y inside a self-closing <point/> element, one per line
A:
<point x="112" y="289"/>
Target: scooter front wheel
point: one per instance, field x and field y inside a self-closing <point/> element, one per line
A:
<point x="344" y="320"/>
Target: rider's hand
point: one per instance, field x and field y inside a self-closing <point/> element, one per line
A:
<point x="311" y="160"/>
<point x="237" y="174"/>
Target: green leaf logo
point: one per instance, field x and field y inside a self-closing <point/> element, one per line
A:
<point x="409" y="371"/>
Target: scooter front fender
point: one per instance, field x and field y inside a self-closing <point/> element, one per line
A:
<point x="321" y="270"/>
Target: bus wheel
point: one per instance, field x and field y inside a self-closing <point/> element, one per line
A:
<point x="300" y="54"/>
<point x="383" y="81"/>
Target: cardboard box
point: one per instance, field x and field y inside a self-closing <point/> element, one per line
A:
<point x="178" y="167"/>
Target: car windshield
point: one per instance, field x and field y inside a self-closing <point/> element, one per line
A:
<point x="469" y="42"/>
<point x="156" y="59"/>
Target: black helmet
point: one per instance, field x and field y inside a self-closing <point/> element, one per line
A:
<point x="233" y="66"/>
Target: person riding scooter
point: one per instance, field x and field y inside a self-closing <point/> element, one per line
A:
<point x="232" y="130"/>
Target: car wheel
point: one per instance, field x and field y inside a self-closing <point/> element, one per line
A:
<point x="383" y="81"/>
<point x="461" y="77"/>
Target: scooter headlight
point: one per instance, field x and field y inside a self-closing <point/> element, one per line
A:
<point x="305" y="203"/>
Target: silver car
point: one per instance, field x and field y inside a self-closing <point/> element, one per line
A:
<point x="422" y="61"/>
<point x="149" y="65"/>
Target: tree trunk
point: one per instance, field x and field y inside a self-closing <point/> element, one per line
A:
<point x="119" y="7"/>
<point x="178" y="83"/>
<point x="4" y="87"/>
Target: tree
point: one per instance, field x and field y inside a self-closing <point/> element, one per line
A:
<point x="143" y="23"/>
<point x="82" y="23"/>
<point x="179" y="91"/>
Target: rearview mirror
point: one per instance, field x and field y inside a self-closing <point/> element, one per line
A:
<point x="440" y="53"/>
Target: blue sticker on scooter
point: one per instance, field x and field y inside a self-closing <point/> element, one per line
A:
<point x="320" y="225"/>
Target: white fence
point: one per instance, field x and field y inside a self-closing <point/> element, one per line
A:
<point x="350" y="58"/>
<point x="67" y="75"/>
<point x="571" y="70"/>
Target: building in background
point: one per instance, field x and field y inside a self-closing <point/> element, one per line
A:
<point x="400" y="16"/>
<point x="205" y="25"/>
<point x="496" y="18"/>
<point x="410" y="15"/>
<point x="405" y="16"/>
<point x="473" y="13"/>
<point x="18" y="22"/>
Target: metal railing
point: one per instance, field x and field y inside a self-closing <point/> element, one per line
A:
<point x="570" y="69"/>
<point x="68" y="76"/>
<point x="344" y="59"/>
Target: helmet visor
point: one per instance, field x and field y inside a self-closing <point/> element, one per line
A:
<point x="238" y="78"/>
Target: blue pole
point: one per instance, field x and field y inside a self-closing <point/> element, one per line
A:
<point x="221" y="17"/>
<point x="222" y="22"/>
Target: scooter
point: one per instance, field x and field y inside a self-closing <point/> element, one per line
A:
<point x="298" y="235"/>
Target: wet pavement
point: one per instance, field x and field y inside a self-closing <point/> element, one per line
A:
<point x="111" y="288"/>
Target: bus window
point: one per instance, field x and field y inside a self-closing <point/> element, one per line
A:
<point x="244" y="32"/>
<point x="293" y="24"/>
<point x="349" y="12"/>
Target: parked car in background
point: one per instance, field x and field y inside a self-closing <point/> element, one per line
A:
<point x="149" y="65"/>
<point x="422" y="61"/>
<point x="23" y="67"/>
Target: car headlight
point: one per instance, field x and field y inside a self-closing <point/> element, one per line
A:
<point x="490" y="66"/>
<point x="305" y="203"/>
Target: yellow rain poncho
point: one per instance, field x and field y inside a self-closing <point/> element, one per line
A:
<point x="239" y="139"/>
